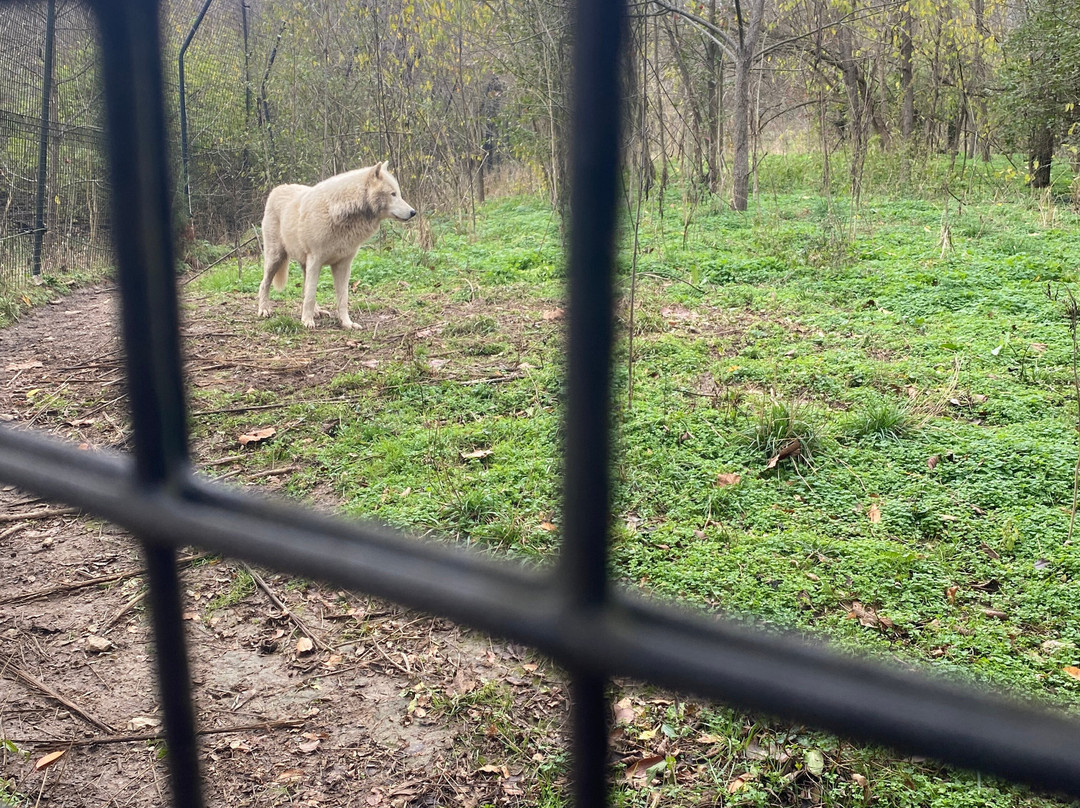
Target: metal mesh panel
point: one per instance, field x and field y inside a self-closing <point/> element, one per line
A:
<point x="71" y="187"/>
<point x="573" y="614"/>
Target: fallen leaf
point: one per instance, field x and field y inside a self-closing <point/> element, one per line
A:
<point x="309" y="746"/>
<point x="477" y="454"/>
<point x="639" y="769"/>
<point x="141" y="722"/>
<point x="723" y="480"/>
<point x="550" y="527"/>
<point x="932" y="462"/>
<point x="709" y="739"/>
<point x="1038" y="347"/>
<point x="950" y="593"/>
<point x="257" y="436"/>
<point x="625" y="712"/>
<point x="874" y="513"/>
<point x="304" y="646"/>
<point x="553" y="314"/>
<point x="995" y="613"/>
<point x="792" y="449"/>
<point x="48" y="760"/>
<point x="1072" y="670"/>
<point x="290" y="776"/>
<point x="815" y="762"/>
<point x="739" y="783"/>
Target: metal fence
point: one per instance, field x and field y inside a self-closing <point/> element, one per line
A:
<point x="573" y="613"/>
<point x="53" y="186"/>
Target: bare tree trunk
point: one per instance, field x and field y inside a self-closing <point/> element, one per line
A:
<point x="744" y="61"/>
<point x="714" y="59"/>
<point x="1042" y="155"/>
<point x="907" y="73"/>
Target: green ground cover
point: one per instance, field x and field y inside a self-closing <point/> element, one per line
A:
<point x="918" y="349"/>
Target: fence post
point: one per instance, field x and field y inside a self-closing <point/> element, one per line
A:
<point x="184" y="153"/>
<point x="43" y="143"/>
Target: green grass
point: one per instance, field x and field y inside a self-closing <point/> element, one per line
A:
<point x="930" y="387"/>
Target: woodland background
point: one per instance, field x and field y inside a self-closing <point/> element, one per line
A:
<point x="469" y="98"/>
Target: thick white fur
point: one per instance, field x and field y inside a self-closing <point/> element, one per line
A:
<point x="324" y="225"/>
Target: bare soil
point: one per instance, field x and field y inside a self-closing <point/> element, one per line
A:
<point x="384" y="707"/>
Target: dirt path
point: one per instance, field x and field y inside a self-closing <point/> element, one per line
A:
<point x="388" y="708"/>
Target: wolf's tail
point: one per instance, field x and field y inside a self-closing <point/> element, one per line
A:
<point x="281" y="276"/>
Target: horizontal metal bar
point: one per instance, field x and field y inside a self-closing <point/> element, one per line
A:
<point x="778" y="674"/>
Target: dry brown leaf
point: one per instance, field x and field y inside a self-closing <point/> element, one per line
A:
<point x="256" y="436"/>
<point x="723" y="480"/>
<point x="706" y="738"/>
<point x="290" y="776"/>
<point x="478" y="454"/>
<point x="932" y="461"/>
<point x="995" y="613"/>
<point x="553" y="314"/>
<point x="950" y="593"/>
<point x="308" y="747"/>
<point x="625" y="712"/>
<point x="550" y="527"/>
<point x="48" y="760"/>
<point x="639" y="769"/>
<point x="1072" y="670"/>
<point x="304" y="645"/>
<point x="874" y="513"/>
<point x="791" y="449"/>
<point x="1038" y="347"/>
<point x="739" y="783"/>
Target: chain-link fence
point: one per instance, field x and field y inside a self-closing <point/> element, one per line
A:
<point x="53" y="187"/>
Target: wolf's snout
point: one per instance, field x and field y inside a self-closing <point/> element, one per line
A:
<point x="409" y="215"/>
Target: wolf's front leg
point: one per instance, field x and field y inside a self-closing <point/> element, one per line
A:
<point x="340" y="271"/>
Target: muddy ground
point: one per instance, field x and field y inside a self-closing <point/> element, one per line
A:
<point x="349" y="722"/>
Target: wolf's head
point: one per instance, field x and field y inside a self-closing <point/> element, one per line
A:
<point x="384" y="195"/>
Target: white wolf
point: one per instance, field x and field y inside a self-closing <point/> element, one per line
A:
<point x="325" y="224"/>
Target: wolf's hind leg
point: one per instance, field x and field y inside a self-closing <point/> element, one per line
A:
<point x="274" y="262"/>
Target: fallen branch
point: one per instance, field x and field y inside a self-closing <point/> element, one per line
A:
<point x="271" y="472"/>
<point x="208" y="267"/>
<point x="13" y="671"/>
<point x="104" y="579"/>
<point x="285" y="610"/>
<point x="56" y="743"/>
<point x="127" y="607"/>
<point x="42" y="514"/>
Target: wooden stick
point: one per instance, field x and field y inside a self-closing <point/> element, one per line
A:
<point x="48" y="743"/>
<point x="11" y="670"/>
<point x="104" y="579"/>
<point x="265" y="587"/>
<point x="31" y="515"/>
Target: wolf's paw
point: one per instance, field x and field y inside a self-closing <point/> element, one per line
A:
<point x="264" y="311"/>
<point x="350" y="324"/>
<point x="309" y="322"/>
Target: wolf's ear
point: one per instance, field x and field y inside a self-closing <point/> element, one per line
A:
<point x="378" y="169"/>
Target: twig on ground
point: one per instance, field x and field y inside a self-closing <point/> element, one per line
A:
<point x="104" y="579"/>
<point x="285" y="610"/>
<point x="11" y="531"/>
<point x="11" y="670"/>
<point x="34" y="515"/>
<point x="48" y="743"/>
<point x="272" y="472"/>
<point x="127" y="607"/>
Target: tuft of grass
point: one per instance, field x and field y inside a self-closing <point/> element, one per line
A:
<point x="780" y="423"/>
<point x="882" y="418"/>
<point x="283" y="325"/>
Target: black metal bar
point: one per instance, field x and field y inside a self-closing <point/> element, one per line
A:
<point x="143" y="239"/>
<point x="594" y="165"/>
<point x="185" y="155"/>
<point x="776" y="674"/>
<point x="43" y="140"/>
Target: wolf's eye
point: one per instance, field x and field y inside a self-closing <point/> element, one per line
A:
<point x="393" y="193"/>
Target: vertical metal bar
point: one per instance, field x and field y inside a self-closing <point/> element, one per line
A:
<point x="594" y="166"/>
<point x="43" y="142"/>
<point x="143" y="240"/>
<point x="185" y="156"/>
